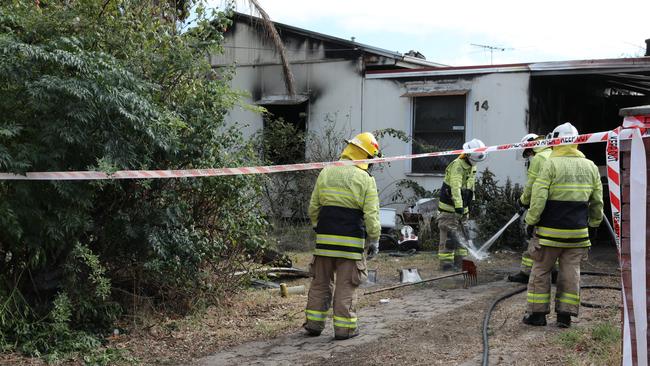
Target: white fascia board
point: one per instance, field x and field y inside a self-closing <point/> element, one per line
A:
<point x="424" y="73"/>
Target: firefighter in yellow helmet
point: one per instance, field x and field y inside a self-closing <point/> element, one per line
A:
<point x="344" y="211"/>
<point x="566" y="207"/>
<point x="535" y="157"/>
<point x="456" y="193"/>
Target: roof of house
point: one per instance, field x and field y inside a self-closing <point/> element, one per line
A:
<point x="537" y="68"/>
<point x="406" y="60"/>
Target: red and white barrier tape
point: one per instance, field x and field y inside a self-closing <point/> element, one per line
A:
<point x="614" y="181"/>
<point x="212" y="172"/>
<point x="630" y="124"/>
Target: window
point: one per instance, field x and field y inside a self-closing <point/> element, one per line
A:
<point x="438" y="125"/>
<point x="290" y="149"/>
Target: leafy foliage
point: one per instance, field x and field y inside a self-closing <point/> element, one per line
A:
<point x="491" y="208"/>
<point x="494" y="205"/>
<point x="111" y="85"/>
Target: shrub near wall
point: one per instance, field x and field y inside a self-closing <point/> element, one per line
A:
<point x="493" y="207"/>
<point x="110" y="85"/>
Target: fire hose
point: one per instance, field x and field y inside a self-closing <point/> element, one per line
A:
<point x="488" y="313"/>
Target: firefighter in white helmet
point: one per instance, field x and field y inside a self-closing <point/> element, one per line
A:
<point x="535" y="157"/>
<point x="566" y="207"/>
<point x="456" y="193"/>
<point x="344" y="211"/>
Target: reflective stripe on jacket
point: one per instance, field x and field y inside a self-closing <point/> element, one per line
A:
<point x="457" y="189"/>
<point x="534" y="169"/>
<point x="344" y="209"/>
<point x="567" y="197"/>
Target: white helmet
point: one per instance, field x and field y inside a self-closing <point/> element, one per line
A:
<point x="529" y="137"/>
<point x="564" y="130"/>
<point x="526" y="153"/>
<point x="475" y="157"/>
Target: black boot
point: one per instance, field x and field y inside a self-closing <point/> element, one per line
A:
<point x="536" y="319"/>
<point x="341" y="337"/>
<point x="563" y="320"/>
<point x="447" y="267"/>
<point x="311" y="332"/>
<point x="520" y="277"/>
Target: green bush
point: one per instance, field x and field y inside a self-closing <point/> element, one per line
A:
<point x="493" y="207"/>
<point x="113" y="85"/>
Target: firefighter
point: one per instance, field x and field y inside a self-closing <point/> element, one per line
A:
<point x="535" y="158"/>
<point x="566" y="207"/>
<point x="344" y="210"/>
<point x="456" y="193"/>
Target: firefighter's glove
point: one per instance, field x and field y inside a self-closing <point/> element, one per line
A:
<point x="373" y="249"/>
<point x="530" y="231"/>
<point x="460" y="212"/>
<point x="593" y="233"/>
<point x="521" y="207"/>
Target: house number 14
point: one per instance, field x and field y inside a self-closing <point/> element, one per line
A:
<point x="484" y="105"/>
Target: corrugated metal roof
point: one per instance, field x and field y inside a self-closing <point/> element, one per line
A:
<point x="538" y="68"/>
<point x="347" y="42"/>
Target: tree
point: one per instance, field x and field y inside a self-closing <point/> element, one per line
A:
<point x="110" y="85"/>
<point x="273" y="35"/>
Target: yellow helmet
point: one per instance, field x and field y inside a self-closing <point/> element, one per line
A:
<point x="366" y="142"/>
<point x="362" y="146"/>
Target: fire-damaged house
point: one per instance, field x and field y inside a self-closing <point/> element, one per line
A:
<point x="329" y="73"/>
<point x="367" y="89"/>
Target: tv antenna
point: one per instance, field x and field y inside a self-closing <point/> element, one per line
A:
<point x="492" y="49"/>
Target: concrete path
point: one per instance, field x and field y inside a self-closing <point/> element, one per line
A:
<point x="376" y="322"/>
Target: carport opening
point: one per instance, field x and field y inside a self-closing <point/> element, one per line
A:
<point x="591" y="103"/>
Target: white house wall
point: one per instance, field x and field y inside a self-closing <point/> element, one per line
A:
<point x="334" y="89"/>
<point x="338" y="92"/>
<point x="504" y="121"/>
<point x="244" y="46"/>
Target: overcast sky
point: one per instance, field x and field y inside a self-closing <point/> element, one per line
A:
<point x="444" y="30"/>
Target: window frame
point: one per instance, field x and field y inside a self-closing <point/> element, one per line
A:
<point x="413" y="118"/>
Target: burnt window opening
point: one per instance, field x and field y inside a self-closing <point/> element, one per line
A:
<point x="285" y="127"/>
<point x="438" y="125"/>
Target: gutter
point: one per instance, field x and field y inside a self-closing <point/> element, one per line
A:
<point x="538" y="68"/>
<point x="446" y="71"/>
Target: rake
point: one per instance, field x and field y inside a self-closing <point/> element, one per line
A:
<point x="470" y="274"/>
<point x="469" y="279"/>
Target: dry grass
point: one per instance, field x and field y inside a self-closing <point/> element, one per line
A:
<point x="263" y="314"/>
<point x="252" y="315"/>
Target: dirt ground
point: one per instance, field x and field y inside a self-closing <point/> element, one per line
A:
<point x="440" y="324"/>
<point x="437" y="323"/>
